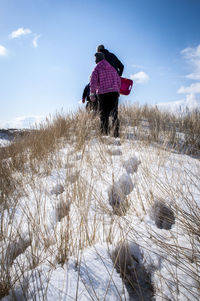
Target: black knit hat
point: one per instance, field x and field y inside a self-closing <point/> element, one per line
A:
<point x="100" y="48"/>
<point x="99" y="56"/>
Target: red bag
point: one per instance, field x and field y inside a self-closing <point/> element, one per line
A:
<point x="126" y="86"/>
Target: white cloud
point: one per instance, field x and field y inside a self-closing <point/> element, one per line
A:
<point x="35" y="41"/>
<point x="191" y="53"/>
<point x="30" y="121"/>
<point x="193" y="88"/>
<point x="194" y="76"/>
<point x="20" y="32"/>
<point x="140" y="77"/>
<point x="181" y="107"/>
<point x="190" y="103"/>
<point x="137" y="66"/>
<point x="192" y="100"/>
<point x="192" y="56"/>
<point x="3" y="51"/>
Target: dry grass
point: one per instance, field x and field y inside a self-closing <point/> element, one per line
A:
<point x="150" y="124"/>
<point x="26" y="162"/>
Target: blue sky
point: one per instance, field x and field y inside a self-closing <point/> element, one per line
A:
<point x="47" y="51"/>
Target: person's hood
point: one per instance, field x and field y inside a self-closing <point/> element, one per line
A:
<point x="103" y="64"/>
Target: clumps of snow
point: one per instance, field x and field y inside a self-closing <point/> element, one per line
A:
<point x="131" y="165"/>
<point x="128" y="261"/>
<point x="125" y="184"/>
<point x="118" y="192"/>
<point x="117" y="200"/>
<point x="162" y="215"/>
<point x="57" y="189"/>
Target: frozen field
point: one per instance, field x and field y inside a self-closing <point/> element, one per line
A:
<point x="116" y="219"/>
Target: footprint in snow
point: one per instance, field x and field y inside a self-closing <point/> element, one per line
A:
<point x="58" y="189"/>
<point x="117" y="200"/>
<point x="131" y="165"/>
<point x="62" y="210"/>
<point x="162" y="215"/>
<point x="128" y="261"/>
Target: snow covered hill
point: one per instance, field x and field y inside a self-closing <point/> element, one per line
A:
<point x="100" y="218"/>
<point x="8" y="135"/>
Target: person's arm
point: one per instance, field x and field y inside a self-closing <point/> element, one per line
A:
<point x="93" y="84"/>
<point x="118" y="64"/>
<point x="120" y="67"/>
<point x="85" y="93"/>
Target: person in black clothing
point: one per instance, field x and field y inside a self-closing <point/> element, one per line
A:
<point x="112" y="59"/>
<point x="91" y="105"/>
<point x="86" y="93"/>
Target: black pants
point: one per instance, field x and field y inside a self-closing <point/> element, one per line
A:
<point x="108" y="106"/>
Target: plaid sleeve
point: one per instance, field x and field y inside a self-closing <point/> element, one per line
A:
<point x="94" y="82"/>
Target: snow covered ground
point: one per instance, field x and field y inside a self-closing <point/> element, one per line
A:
<point x="8" y="135"/>
<point x="84" y="209"/>
<point x="4" y="138"/>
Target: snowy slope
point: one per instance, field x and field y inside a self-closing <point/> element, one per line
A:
<point x="91" y="183"/>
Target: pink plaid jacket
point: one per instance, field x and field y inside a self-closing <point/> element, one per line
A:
<point x="104" y="79"/>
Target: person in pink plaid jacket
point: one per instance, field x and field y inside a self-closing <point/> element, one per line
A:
<point x="105" y="83"/>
